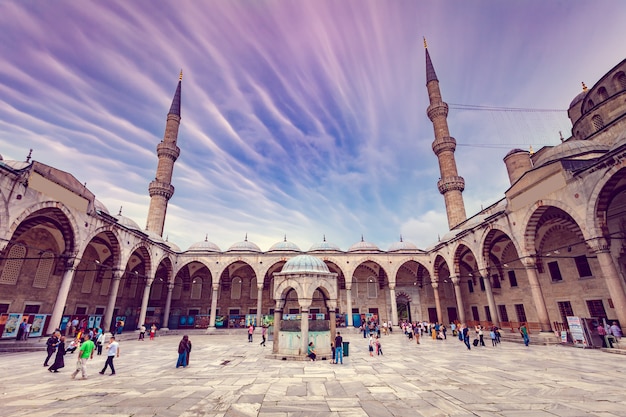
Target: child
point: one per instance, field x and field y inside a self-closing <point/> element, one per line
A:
<point x="494" y="340"/>
<point x="332" y="348"/>
<point x="379" y="348"/>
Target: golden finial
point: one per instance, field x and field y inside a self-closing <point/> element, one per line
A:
<point x="425" y="44"/>
<point x="584" y="87"/>
<point x="180" y="77"/>
<point x="531" y="150"/>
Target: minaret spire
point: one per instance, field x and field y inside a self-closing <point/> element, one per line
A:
<point x="161" y="189"/>
<point x="451" y="185"/>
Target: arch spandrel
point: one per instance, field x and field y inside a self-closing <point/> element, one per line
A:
<point x="68" y="224"/>
<point x="533" y="216"/>
<point x="601" y="196"/>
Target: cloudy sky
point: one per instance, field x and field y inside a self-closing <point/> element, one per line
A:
<point x="299" y="118"/>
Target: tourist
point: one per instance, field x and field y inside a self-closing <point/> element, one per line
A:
<point x="311" y="352"/>
<point x="99" y="342"/>
<point x="616" y="331"/>
<point x="153" y="330"/>
<point x="113" y="352"/>
<point x="371" y="345"/>
<point x="184" y="348"/>
<point x="51" y="346"/>
<point x="338" y="354"/>
<point x="59" y="359"/>
<point x="602" y="333"/>
<point x="466" y="338"/>
<point x="250" y="332"/>
<point x="524" y="332"/>
<point x="263" y="334"/>
<point x="142" y="332"/>
<point x="85" y="353"/>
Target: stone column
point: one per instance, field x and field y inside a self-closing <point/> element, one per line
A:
<point x="168" y="305"/>
<point x="278" y="316"/>
<point x="394" y="304"/>
<point x="332" y="310"/>
<point x="456" y="281"/>
<point x="491" y="301"/>
<point x="259" y="305"/>
<point x="305" y="304"/>
<point x="144" y="302"/>
<point x="64" y="290"/>
<point x="435" y="285"/>
<point x="215" y="287"/>
<point x="108" y="314"/>
<point x="611" y="278"/>
<point x="350" y="322"/>
<point x="537" y="294"/>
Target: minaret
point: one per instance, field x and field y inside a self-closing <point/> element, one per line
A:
<point x="161" y="189"/>
<point x="451" y="185"/>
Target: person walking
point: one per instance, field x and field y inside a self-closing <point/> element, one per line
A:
<point x="371" y="345"/>
<point x="524" y="332"/>
<point x="113" y="352"/>
<point x="142" y="332"/>
<point x="59" y="359"/>
<point x="339" y="348"/>
<point x="481" y="335"/>
<point x="51" y="346"/>
<point x="263" y="334"/>
<point x="85" y="353"/>
<point x="184" y="347"/>
<point x="465" y="334"/>
<point x="250" y="332"/>
<point x="99" y="343"/>
<point x="153" y="330"/>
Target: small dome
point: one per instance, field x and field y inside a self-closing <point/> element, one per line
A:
<point x="100" y="207"/>
<point x="580" y="97"/>
<point x="284" y="246"/>
<point x="363" y="246"/>
<point x="173" y="246"/>
<point x="305" y="263"/>
<point x="154" y="236"/>
<point x="569" y="149"/>
<point x="204" y="246"/>
<point x="127" y="222"/>
<point x="514" y="151"/>
<point x="325" y="247"/>
<point x="402" y="246"/>
<point x="244" y="246"/>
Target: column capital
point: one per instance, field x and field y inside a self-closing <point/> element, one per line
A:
<point x="599" y="244"/>
<point x="305" y="303"/>
<point x="455" y="280"/>
<point x="435" y="284"/>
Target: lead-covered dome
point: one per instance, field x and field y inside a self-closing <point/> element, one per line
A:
<point x="363" y="246"/>
<point x="324" y="247"/>
<point x="284" y="246"/>
<point x="305" y="263"/>
<point x="244" y="246"/>
<point x="126" y="222"/>
<point x="569" y="149"/>
<point x="402" y="246"/>
<point x="204" y="246"/>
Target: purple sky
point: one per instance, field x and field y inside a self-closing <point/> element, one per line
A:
<point x="298" y="118"/>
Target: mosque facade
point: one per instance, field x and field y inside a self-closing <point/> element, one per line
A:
<point x="553" y="247"/>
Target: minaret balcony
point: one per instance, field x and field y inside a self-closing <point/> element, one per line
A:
<point x="161" y="188"/>
<point x="436" y="110"/>
<point x="447" y="143"/>
<point x="168" y="150"/>
<point x="451" y="183"/>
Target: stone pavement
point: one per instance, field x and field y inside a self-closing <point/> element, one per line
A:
<point x="228" y="376"/>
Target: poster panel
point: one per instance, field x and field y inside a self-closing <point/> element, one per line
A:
<point x="576" y="330"/>
<point x="12" y="325"/>
<point x="37" y="327"/>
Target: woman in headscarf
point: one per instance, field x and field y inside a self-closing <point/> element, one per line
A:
<point x="184" y="347"/>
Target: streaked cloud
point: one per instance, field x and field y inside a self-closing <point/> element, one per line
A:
<point x="298" y="118"/>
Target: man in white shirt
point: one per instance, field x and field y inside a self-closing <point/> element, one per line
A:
<point x="113" y="352"/>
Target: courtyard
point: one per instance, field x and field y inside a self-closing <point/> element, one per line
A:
<point x="228" y="376"/>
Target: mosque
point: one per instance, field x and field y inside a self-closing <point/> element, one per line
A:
<point x="553" y="247"/>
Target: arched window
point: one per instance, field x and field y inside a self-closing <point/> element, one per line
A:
<point x="88" y="279"/>
<point x="178" y="288"/>
<point x="157" y="289"/>
<point x="597" y="122"/>
<point x="589" y="104"/>
<point x="372" y="287"/>
<point x="235" y="289"/>
<point x="253" y="289"/>
<point x="196" y="288"/>
<point x="620" y="80"/>
<point x="13" y="265"/>
<point x="44" y="269"/>
<point x="602" y="93"/>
